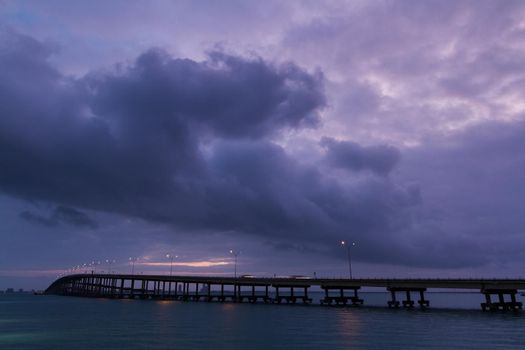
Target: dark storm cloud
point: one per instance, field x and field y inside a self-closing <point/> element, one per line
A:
<point x="61" y="215"/>
<point x="38" y="219"/>
<point x="226" y="95"/>
<point x="266" y="191"/>
<point x="352" y="156"/>
<point x="123" y="139"/>
<point x="73" y="217"/>
<point x="187" y="143"/>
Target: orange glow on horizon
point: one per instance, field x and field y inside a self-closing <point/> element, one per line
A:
<point x="187" y="263"/>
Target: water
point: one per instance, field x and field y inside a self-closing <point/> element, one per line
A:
<point x="53" y="322"/>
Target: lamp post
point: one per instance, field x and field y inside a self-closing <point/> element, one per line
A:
<point x="235" y="254"/>
<point x="132" y="261"/>
<point x="347" y="245"/>
<point x="109" y="262"/>
<point x="94" y="264"/>
<point x="171" y="256"/>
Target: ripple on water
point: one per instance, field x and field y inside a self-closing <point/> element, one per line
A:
<point x="23" y="337"/>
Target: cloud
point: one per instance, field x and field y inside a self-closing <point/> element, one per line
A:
<point x="73" y="217"/>
<point x="228" y="96"/>
<point x="352" y="156"/>
<point x="135" y="132"/>
<point x="188" y="144"/>
<point x="224" y="148"/>
<point x="192" y="145"/>
<point x="38" y="219"/>
<point x="61" y="215"/>
<point x="389" y="82"/>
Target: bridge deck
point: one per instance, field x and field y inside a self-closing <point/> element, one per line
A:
<point x="286" y="289"/>
<point x="479" y="284"/>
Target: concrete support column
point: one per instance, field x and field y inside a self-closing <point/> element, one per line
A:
<point x="393" y="302"/>
<point x="121" y="292"/>
<point x="487" y="298"/>
<point x="408" y="302"/>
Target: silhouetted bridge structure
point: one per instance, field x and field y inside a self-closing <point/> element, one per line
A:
<point x="280" y="290"/>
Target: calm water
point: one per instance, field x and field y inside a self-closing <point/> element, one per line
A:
<point x="52" y="322"/>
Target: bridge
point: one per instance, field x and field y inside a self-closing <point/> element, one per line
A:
<point x="280" y="290"/>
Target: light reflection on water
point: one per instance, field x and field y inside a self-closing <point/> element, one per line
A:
<point x="349" y="325"/>
<point x="49" y="322"/>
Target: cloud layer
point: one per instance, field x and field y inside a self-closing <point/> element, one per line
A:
<point x="350" y="155"/>
<point x="188" y="144"/>
<point x="395" y="124"/>
<point x="60" y="215"/>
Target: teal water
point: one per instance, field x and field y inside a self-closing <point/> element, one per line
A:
<point x="53" y="322"/>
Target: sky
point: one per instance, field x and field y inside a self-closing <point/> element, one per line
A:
<point x="276" y="129"/>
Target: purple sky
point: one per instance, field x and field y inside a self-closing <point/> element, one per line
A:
<point x="277" y="129"/>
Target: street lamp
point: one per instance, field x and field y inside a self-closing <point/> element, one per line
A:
<point x="170" y="256"/>
<point x="132" y="261"/>
<point x="109" y="262"/>
<point x="94" y="264"/>
<point x="348" y="245"/>
<point x="235" y="254"/>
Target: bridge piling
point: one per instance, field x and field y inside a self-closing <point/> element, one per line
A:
<point x="121" y="291"/>
<point x="422" y="302"/>
<point x="342" y="298"/>
<point x="393" y="303"/>
<point x="292" y="298"/>
<point x="501" y="304"/>
<point x="408" y="302"/>
<point x="132" y="291"/>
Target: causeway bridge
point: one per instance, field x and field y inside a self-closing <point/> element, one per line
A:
<point x="500" y="294"/>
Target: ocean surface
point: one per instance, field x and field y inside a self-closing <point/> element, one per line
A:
<point x="454" y="321"/>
